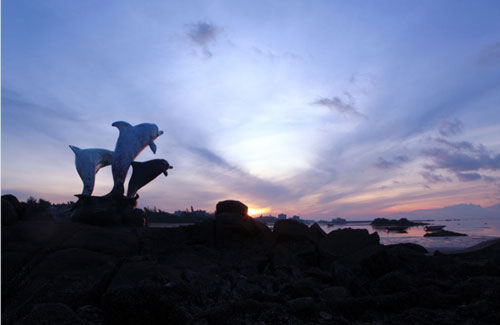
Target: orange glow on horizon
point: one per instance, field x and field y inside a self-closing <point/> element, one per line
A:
<point x="257" y="212"/>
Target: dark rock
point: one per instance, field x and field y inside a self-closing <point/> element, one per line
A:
<point x="326" y="316"/>
<point x="231" y="207"/>
<point x="234" y="229"/>
<point x="302" y="288"/>
<point x="91" y="314"/>
<point x="408" y="247"/>
<point x="347" y="241"/>
<point x="15" y="203"/>
<point x="142" y="293"/>
<point x="106" y="211"/>
<point x="70" y="276"/>
<point x="301" y="305"/>
<point x="104" y="241"/>
<point x="392" y="282"/>
<point x="51" y="314"/>
<point x="316" y="233"/>
<point x="291" y="230"/>
<point x="334" y="293"/>
<point x="9" y="213"/>
<point x="443" y="233"/>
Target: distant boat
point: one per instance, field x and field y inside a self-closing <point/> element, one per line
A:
<point x="433" y="228"/>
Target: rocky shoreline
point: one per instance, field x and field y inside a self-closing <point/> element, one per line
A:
<point x="234" y="270"/>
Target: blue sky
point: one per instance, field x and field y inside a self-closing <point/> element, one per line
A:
<point x="323" y="108"/>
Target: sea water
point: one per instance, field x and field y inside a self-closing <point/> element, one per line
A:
<point x="476" y="229"/>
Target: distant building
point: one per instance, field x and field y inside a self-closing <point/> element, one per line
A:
<point x="297" y="218"/>
<point x="281" y="216"/>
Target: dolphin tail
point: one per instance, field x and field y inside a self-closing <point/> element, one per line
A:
<point x="75" y="149"/>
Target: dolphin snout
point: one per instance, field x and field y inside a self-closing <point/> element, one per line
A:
<point x="165" y="171"/>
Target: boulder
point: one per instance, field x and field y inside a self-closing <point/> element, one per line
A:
<point x="233" y="229"/>
<point x="51" y="313"/>
<point x="346" y="241"/>
<point x="301" y="305"/>
<point x="233" y="225"/>
<point x="291" y="230"/>
<point x="142" y="292"/>
<point x="15" y="203"/>
<point x="231" y="207"/>
<point x="91" y="314"/>
<point x="316" y="233"/>
<point x="9" y="213"/>
<point x="74" y="277"/>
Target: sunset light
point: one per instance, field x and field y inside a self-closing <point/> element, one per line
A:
<point x="257" y="212"/>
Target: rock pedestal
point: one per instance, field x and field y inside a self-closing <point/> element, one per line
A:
<point x="107" y="211"/>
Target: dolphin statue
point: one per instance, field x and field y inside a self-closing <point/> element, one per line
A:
<point x="145" y="172"/>
<point x="88" y="162"/>
<point x="131" y="141"/>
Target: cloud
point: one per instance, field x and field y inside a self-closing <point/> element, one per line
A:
<point x="449" y="128"/>
<point x="397" y="161"/>
<point x="26" y="118"/>
<point x="266" y="53"/>
<point x="468" y="177"/>
<point x="463" y="159"/>
<point x="203" y="34"/>
<point x="434" y="178"/>
<point x="489" y="54"/>
<point x="337" y="104"/>
<point x="236" y="180"/>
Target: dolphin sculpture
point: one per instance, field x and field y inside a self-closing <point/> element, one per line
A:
<point x="145" y="172"/>
<point x="88" y="162"/>
<point x="131" y="141"/>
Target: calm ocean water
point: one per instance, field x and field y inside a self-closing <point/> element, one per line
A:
<point x="477" y="229"/>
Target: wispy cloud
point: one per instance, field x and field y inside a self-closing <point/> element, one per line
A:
<point x="468" y="177"/>
<point x="203" y="34"/>
<point x="397" y="161"/>
<point x="489" y="55"/>
<point x="448" y="128"/>
<point x="21" y="115"/>
<point x="337" y="104"/>
<point x="434" y="178"/>
<point x="238" y="180"/>
<point x="463" y="159"/>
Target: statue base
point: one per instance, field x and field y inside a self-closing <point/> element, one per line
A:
<point x="108" y="211"/>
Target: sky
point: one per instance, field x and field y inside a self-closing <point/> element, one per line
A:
<point x="317" y="108"/>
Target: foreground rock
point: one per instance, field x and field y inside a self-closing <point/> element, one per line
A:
<point x="9" y="213"/>
<point x="230" y="270"/>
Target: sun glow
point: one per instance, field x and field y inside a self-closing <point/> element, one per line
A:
<point x="257" y="212"/>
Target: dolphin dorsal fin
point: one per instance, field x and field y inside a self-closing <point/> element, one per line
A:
<point x="75" y="149"/>
<point x="121" y="125"/>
